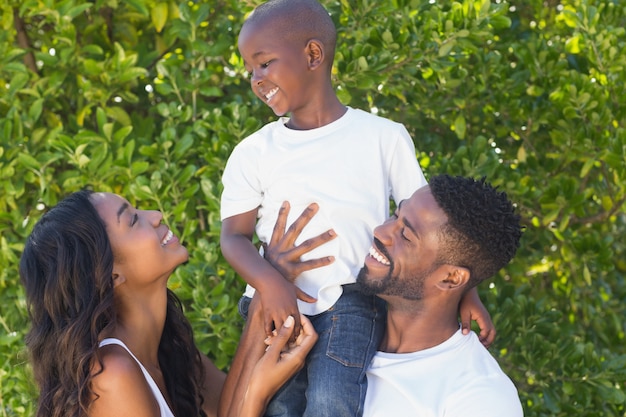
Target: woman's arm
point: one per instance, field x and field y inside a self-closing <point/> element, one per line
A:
<point x="212" y="388"/>
<point x="259" y="370"/>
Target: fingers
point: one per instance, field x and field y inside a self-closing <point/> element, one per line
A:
<point x="288" y="238"/>
<point x="465" y="323"/>
<point x="280" y="340"/>
<point x="281" y="223"/>
<point x="487" y="336"/>
<point x="314" y="242"/>
<point x="279" y="323"/>
<point x="298" y="349"/>
<point x="308" y="335"/>
<point x="302" y="220"/>
<point x="269" y="324"/>
<point x="487" y="330"/>
<point x="304" y="296"/>
<point x="305" y="339"/>
<point x="297" y="326"/>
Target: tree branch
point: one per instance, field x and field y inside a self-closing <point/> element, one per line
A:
<point x="23" y="42"/>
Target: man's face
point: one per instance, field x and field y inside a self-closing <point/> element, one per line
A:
<point x="404" y="252"/>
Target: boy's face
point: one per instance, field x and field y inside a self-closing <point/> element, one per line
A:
<point x="278" y="67"/>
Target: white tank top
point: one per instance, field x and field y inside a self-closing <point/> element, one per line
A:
<point x="165" y="409"/>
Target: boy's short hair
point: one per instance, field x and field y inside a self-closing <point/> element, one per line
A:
<point x="300" y="20"/>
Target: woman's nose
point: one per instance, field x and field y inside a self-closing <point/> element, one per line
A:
<point x="155" y="217"/>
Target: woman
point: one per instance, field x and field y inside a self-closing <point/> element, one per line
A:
<point x="109" y="338"/>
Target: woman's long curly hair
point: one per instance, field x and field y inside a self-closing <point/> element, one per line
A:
<point x="67" y="269"/>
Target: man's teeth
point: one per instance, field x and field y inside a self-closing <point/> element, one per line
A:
<point x="380" y="258"/>
<point x="167" y="238"/>
<point x="271" y="94"/>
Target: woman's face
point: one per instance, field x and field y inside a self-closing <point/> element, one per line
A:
<point x="144" y="249"/>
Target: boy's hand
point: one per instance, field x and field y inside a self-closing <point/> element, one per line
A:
<point x="471" y="308"/>
<point x="285" y="256"/>
<point x="279" y="302"/>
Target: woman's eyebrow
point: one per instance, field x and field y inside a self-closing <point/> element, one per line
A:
<point x="121" y="211"/>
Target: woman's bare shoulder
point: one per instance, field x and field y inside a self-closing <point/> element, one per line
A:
<point x="119" y="386"/>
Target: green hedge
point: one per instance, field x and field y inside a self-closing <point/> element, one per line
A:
<point x="147" y="98"/>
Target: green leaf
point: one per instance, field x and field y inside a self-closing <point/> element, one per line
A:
<point x="362" y="64"/>
<point x="587" y="167"/>
<point x="28" y="161"/>
<point x="17" y="82"/>
<point x="77" y="10"/>
<point x="460" y="126"/>
<point x="446" y="47"/>
<point x="159" y="15"/>
<point x="101" y="117"/>
<point x="139" y="5"/>
<point x="107" y="130"/>
<point x="119" y="115"/>
<point x="122" y="133"/>
<point x="139" y="167"/>
<point x="131" y="74"/>
<point x="500" y="22"/>
<point x="572" y="45"/>
<point x="35" y="110"/>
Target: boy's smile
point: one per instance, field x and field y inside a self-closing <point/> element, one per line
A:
<point x="278" y="67"/>
<point x="271" y="94"/>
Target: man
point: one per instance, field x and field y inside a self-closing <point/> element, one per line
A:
<point x="448" y="237"/>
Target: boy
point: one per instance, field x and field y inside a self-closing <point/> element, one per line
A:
<point x="348" y="161"/>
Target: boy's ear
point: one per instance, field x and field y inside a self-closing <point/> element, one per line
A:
<point x="315" y="53"/>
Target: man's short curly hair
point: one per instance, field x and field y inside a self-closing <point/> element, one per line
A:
<point x="482" y="232"/>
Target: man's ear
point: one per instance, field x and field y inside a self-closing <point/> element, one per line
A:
<point x="455" y="277"/>
<point x="118" y="279"/>
<point x="315" y="53"/>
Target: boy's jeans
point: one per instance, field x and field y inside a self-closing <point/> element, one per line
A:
<point x="332" y="382"/>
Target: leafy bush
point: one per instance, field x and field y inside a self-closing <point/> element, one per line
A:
<point x="147" y="98"/>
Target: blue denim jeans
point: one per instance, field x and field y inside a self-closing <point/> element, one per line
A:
<point x="333" y="382"/>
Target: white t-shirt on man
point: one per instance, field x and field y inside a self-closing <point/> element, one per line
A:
<point x="458" y="378"/>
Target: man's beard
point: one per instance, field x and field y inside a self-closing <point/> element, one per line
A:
<point x="410" y="289"/>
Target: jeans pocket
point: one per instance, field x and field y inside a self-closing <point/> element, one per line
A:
<point x="352" y="340"/>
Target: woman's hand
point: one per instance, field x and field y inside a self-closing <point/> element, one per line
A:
<point x="280" y="362"/>
<point x="259" y="370"/>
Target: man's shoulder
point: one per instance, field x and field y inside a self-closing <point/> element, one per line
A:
<point x="485" y="389"/>
<point x="458" y="378"/>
